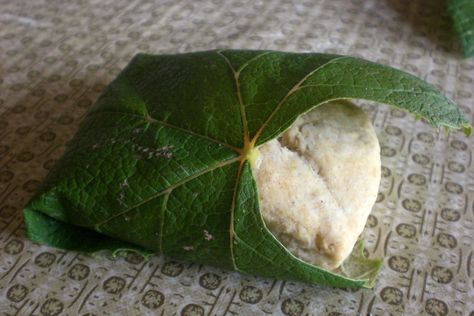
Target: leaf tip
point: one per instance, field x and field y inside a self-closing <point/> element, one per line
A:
<point x="446" y="131"/>
<point x="467" y="129"/>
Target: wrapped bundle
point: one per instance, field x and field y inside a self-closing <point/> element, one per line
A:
<point x="238" y="159"/>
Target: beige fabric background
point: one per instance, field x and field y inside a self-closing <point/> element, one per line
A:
<point x="57" y="56"/>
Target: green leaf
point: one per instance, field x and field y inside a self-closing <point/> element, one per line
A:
<point x="462" y="14"/>
<point x="47" y="230"/>
<point x="162" y="160"/>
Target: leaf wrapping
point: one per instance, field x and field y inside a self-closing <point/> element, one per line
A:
<point x="160" y="163"/>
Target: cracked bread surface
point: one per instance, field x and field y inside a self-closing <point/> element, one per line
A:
<point x="318" y="181"/>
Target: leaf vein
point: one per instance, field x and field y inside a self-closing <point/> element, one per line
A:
<point x="252" y="60"/>
<point x="162" y="220"/>
<point x="232" y="211"/>
<point x="168" y="190"/>
<point x="290" y="92"/>
<point x="243" y="114"/>
<point x="432" y="93"/>
<point x="152" y="120"/>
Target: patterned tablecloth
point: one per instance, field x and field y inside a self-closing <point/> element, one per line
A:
<point x="57" y="56"/>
